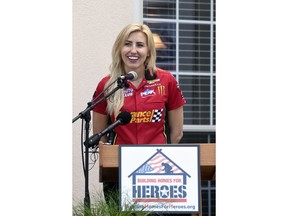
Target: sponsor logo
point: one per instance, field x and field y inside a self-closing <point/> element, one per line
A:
<point x="152" y="85"/>
<point x="147" y="116"/>
<point x="161" y="90"/>
<point x="153" y="81"/>
<point x="147" y="93"/>
<point x="128" y="92"/>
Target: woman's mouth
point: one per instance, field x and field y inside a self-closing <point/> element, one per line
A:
<point x="133" y="58"/>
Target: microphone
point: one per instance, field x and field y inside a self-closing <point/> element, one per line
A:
<point x="132" y="75"/>
<point x="122" y="119"/>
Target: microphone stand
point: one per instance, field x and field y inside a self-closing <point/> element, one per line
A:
<point x="86" y="115"/>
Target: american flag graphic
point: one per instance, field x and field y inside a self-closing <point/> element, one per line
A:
<point x="159" y="164"/>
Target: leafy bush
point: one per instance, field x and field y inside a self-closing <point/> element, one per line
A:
<point x="110" y="207"/>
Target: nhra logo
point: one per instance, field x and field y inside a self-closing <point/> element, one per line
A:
<point x="159" y="179"/>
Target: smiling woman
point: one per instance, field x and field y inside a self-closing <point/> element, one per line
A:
<point x="159" y="95"/>
<point x="151" y="99"/>
<point x="134" y="54"/>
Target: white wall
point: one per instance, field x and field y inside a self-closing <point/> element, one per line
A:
<point x="95" y="27"/>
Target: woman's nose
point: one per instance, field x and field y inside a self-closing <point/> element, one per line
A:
<point x="133" y="49"/>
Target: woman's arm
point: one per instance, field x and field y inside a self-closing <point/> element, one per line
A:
<point x="100" y="122"/>
<point x="175" y="120"/>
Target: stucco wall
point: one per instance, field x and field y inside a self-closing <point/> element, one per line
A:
<point x="95" y="27"/>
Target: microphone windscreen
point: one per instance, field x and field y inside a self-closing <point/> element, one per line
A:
<point x="134" y="74"/>
<point x="124" y="117"/>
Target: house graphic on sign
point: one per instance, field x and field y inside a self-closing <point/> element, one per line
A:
<point x="159" y="164"/>
<point x="159" y="179"/>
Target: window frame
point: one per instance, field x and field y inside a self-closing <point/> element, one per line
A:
<point x="211" y="74"/>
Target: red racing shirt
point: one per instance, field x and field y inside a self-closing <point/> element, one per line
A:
<point x="147" y="104"/>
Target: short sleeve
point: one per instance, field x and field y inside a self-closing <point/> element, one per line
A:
<point x="98" y="95"/>
<point x="176" y="98"/>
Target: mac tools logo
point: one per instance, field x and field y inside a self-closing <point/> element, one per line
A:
<point x="158" y="183"/>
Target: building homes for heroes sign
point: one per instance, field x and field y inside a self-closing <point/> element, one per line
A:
<point x="160" y="178"/>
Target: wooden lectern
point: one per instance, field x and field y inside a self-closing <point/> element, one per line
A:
<point x="109" y="162"/>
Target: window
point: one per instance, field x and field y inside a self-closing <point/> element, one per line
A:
<point x="186" y="47"/>
<point x="185" y="42"/>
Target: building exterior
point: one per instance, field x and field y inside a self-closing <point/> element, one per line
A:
<point x="187" y="48"/>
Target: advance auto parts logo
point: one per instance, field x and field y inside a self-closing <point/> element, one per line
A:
<point x="146" y="116"/>
<point x="159" y="180"/>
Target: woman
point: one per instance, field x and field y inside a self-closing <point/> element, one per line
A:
<point x="148" y="98"/>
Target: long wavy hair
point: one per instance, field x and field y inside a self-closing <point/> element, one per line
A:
<point x="116" y="100"/>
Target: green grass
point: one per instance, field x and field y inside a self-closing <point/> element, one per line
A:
<point x="99" y="207"/>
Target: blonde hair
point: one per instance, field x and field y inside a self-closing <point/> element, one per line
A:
<point x="116" y="100"/>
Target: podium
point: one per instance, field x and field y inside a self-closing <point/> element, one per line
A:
<point x="109" y="162"/>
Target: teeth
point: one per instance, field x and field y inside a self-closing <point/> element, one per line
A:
<point x="133" y="58"/>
